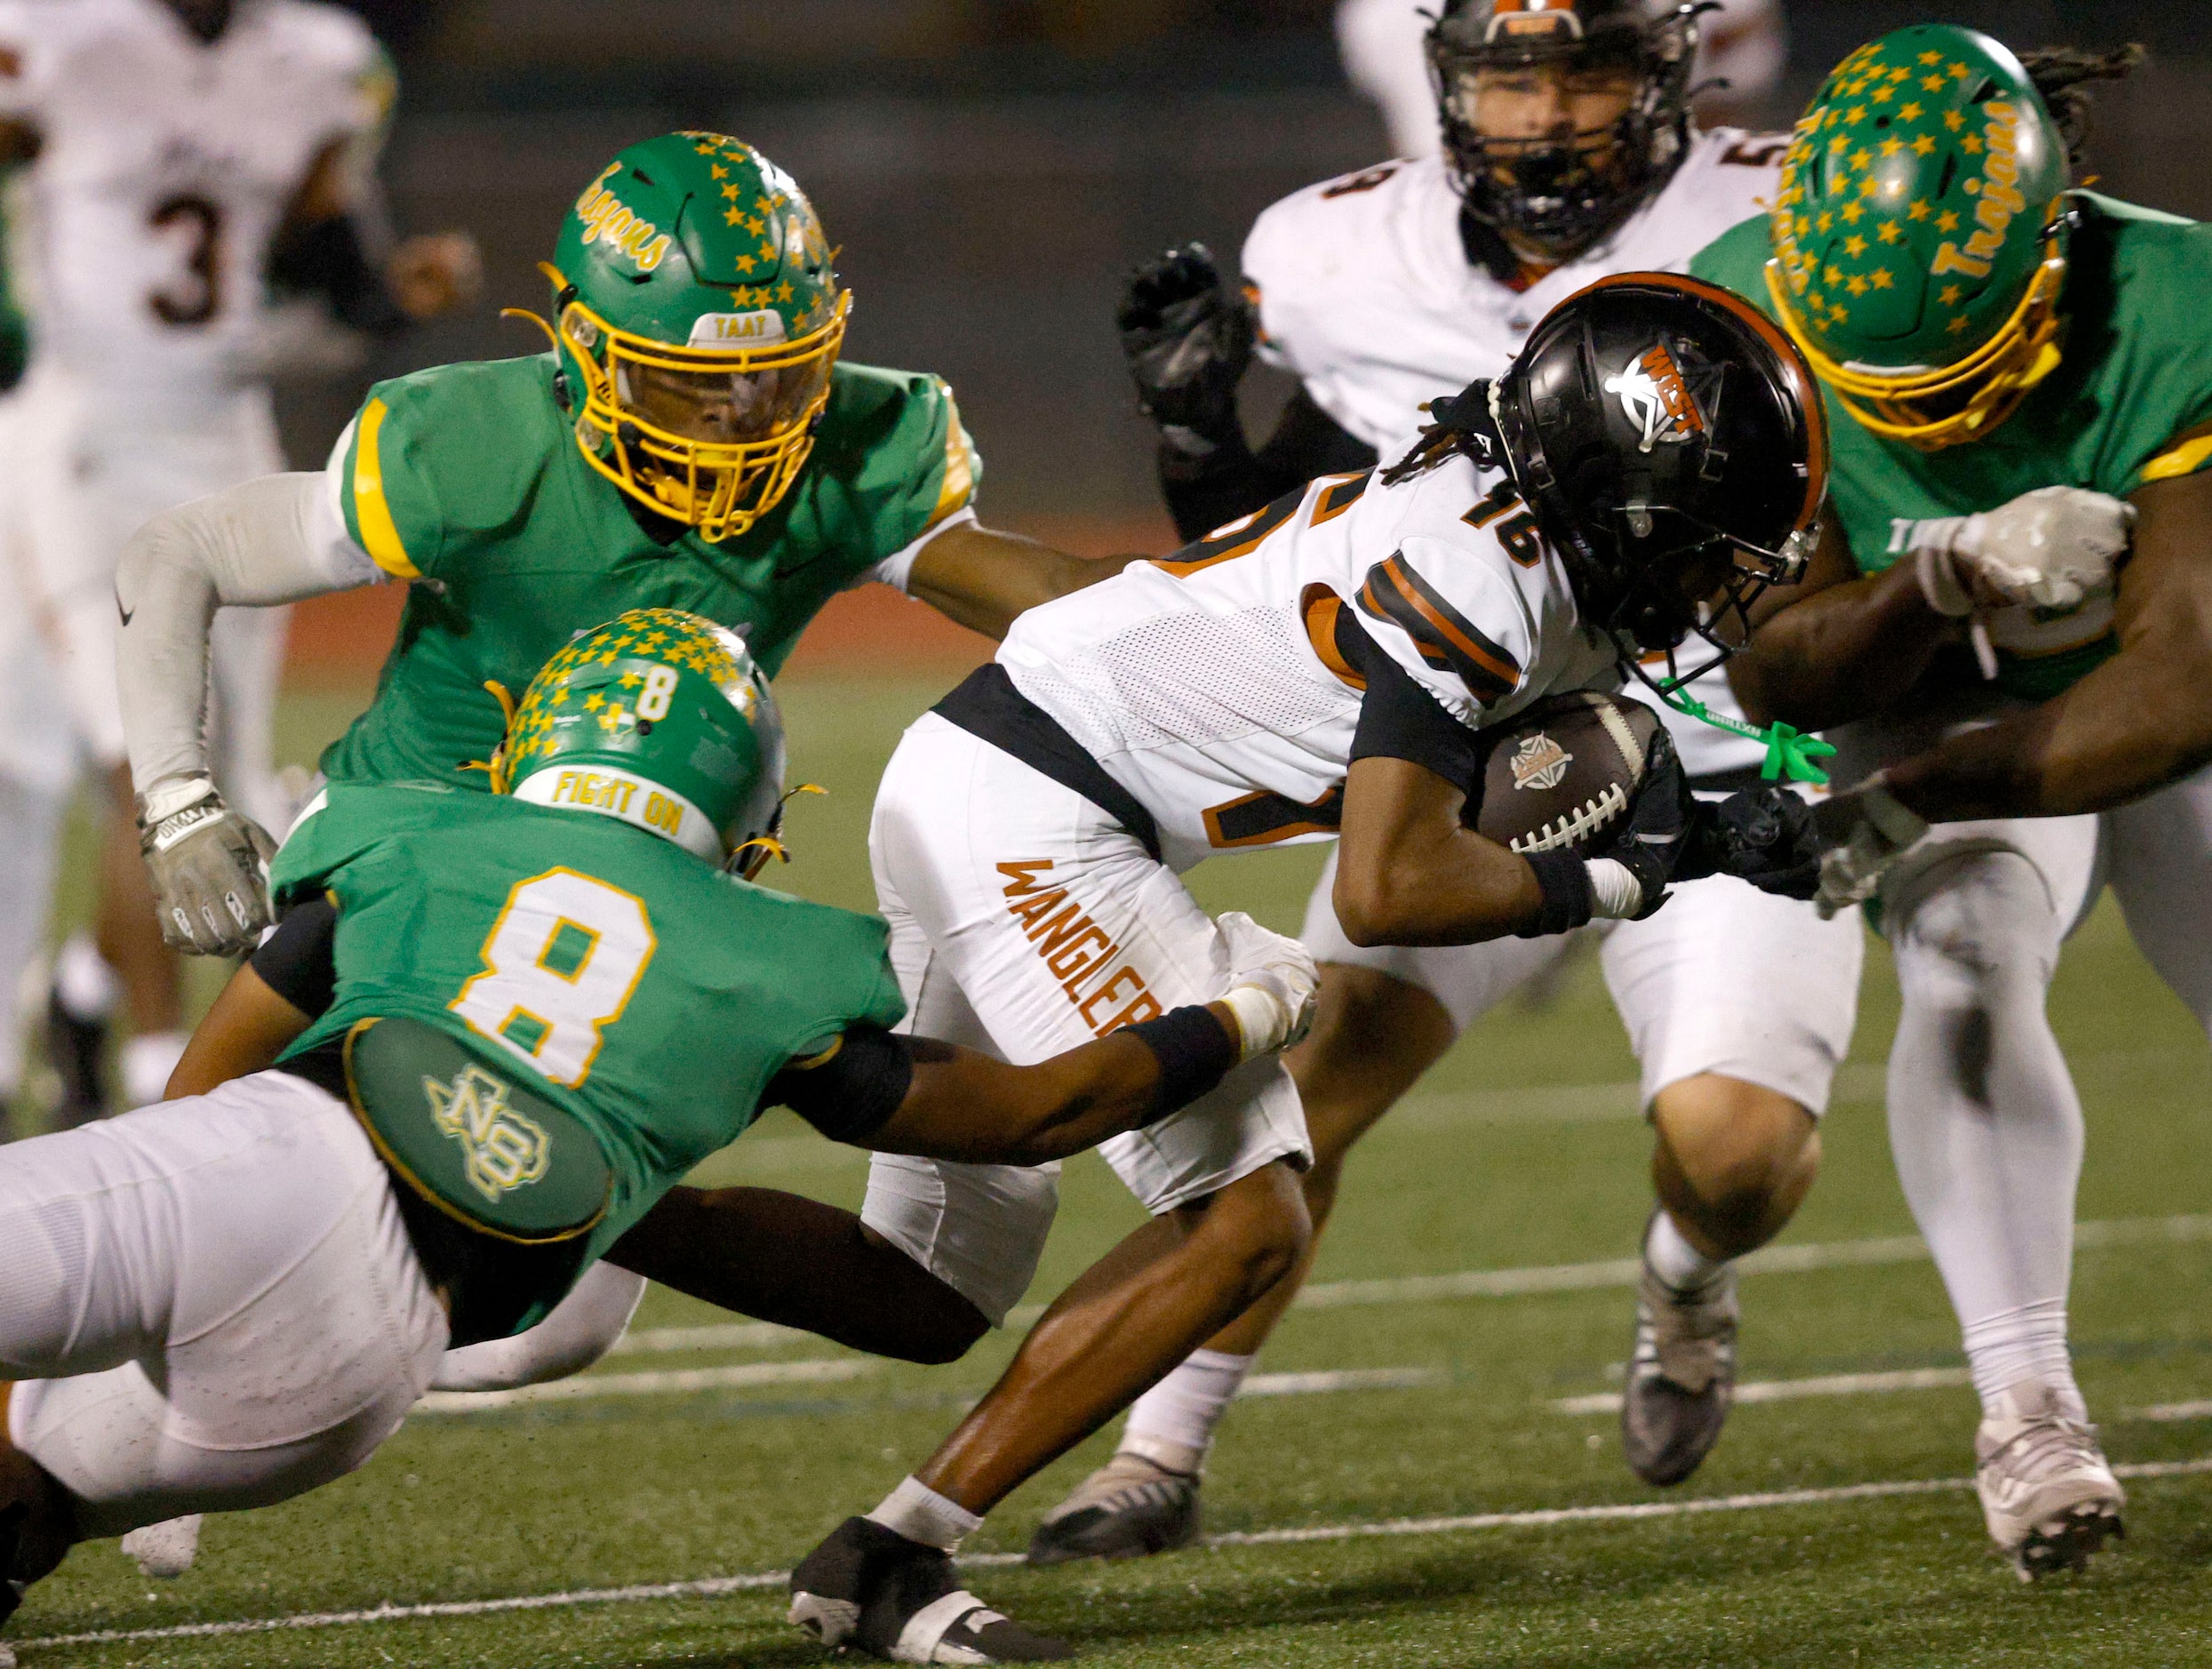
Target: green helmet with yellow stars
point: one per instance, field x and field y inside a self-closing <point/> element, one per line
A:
<point x="659" y="718"/>
<point x="1920" y="234"/>
<point x="698" y="318"/>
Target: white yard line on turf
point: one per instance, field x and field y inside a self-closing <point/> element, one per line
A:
<point x="709" y="1587"/>
<point x="826" y="1370"/>
<point x="2199" y="1410"/>
<point x="1831" y="1385"/>
<point x="1508" y="1283"/>
<point x="1307" y="1385"/>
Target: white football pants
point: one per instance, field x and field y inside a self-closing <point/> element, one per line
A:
<point x="210" y="1304"/>
<point x="1025" y="921"/>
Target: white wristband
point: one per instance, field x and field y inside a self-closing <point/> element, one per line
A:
<point x="166" y="799"/>
<point x="1261" y="1023"/>
<point x="1615" y="893"/>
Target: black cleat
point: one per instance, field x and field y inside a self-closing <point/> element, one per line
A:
<point x="77" y="1051"/>
<point x="1681" y="1378"/>
<point x="1130" y="1508"/>
<point x="871" y="1589"/>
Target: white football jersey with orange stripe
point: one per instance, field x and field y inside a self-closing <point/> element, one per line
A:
<point x="1366" y="294"/>
<point x="1209" y="685"/>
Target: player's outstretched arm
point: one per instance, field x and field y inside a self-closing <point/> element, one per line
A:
<point x="261" y="543"/>
<point x="268" y="1003"/>
<point x="982" y="578"/>
<point x="915" y="1094"/>
<point x="2137" y="723"/>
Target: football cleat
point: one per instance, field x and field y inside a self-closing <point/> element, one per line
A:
<point x="2047" y="1493"/>
<point x="1681" y="1376"/>
<point x="870" y="1589"/>
<point x="1130" y="1507"/>
<point x="164" y="1551"/>
<point x="77" y="1050"/>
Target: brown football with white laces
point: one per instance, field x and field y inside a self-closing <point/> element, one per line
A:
<point x="1560" y="775"/>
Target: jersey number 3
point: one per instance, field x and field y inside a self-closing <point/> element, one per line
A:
<point x="197" y="295"/>
<point x="560" y="965"/>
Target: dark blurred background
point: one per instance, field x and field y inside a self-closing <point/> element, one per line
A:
<point x="991" y="166"/>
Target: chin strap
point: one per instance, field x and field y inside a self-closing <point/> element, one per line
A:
<point x="1790" y="752"/>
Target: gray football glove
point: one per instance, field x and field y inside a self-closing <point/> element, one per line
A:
<point x="210" y="868"/>
<point x="1272" y="985"/>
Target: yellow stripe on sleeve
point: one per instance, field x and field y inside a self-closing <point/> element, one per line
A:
<point x="379" y="533"/>
<point x="2184" y="457"/>
<point x="961" y="467"/>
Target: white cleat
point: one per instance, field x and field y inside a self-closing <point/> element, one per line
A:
<point x="2047" y="1493"/>
<point x="164" y="1551"/>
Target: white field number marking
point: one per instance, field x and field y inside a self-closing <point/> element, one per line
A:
<point x="559" y="967"/>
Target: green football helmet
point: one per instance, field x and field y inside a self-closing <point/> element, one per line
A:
<point x="1920" y="234"/>
<point x="697" y="312"/>
<point x="659" y="718"/>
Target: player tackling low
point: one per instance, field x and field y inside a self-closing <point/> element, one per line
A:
<point x="1987" y="330"/>
<point x="537" y="1009"/>
<point x="1326" y="665"/>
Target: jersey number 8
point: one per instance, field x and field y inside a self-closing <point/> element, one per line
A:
<point x="560" y="965"/>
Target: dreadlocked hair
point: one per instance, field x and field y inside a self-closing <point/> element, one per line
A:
<point x="1462" y="429"/>
<point x="2062" y="75"/>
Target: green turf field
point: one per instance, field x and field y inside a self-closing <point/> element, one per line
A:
<point x="1523" y="1153"/>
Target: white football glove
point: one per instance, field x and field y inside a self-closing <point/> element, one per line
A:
<point x="1271" y="981"/>
<point x="1867" y="830"/>
<point x="210" y="868"/>
<point x="2045" y="549"/>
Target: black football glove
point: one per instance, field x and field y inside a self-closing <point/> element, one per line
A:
<point x="1764" y="835"/>
<point x="1188" y="341"/>
<point x="1664" y="822"/>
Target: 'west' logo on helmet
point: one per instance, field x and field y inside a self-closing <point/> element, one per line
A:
<point x="1656" y="397"/>
<point x="1511" y="18"/>
<point x="606" y="220"/>
<point x="2000" y="195"/>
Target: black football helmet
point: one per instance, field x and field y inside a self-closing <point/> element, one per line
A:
<point x="1670" y="443"/>
<point x="1560" y="193"/>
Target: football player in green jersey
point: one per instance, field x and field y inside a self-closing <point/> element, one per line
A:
<point x="692" y="441"/>
<point x="519" y="1017"/>
<point x="2018" y="373"/>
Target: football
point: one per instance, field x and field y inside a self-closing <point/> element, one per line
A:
<point x="1559" y="776"/>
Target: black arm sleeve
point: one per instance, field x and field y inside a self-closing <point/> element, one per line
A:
<point x="852" y="1094"/>
<point x="1234" y="481"/>
<point x="298" y="962"/>
<point x="327" y="257"/>
<point x="1400" y="720"/>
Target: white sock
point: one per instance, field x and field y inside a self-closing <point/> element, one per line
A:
<point x="1985" y="1124"/>
<point x="920" y="1514"/>
<point x="83" y="984"/>
<point x="2028" y="1343"/>
<point x="147" y="1062"/>
<point x="1673" y="1259"/>
<point x="1172" y="1424"/>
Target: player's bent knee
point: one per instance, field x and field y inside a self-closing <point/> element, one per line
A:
<point x="1259" y="1223"/>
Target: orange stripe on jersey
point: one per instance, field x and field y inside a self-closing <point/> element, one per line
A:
<point x="1321" y="608"/>
<point x="1233" y="539"/>
<point x="1341" y="493"/>
<point x="1446" y="638"/>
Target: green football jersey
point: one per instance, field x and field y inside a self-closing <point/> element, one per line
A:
<point x="2131" y="403"/>
<point x="646" y="994"/>
<point x="466" y="481"/>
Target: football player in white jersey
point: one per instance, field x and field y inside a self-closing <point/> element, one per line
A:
<point x="187" y="164"/>
<point x="1742" y="49"/>
<point x="1568" y="156"/>
<point x="1328" y="663"/>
